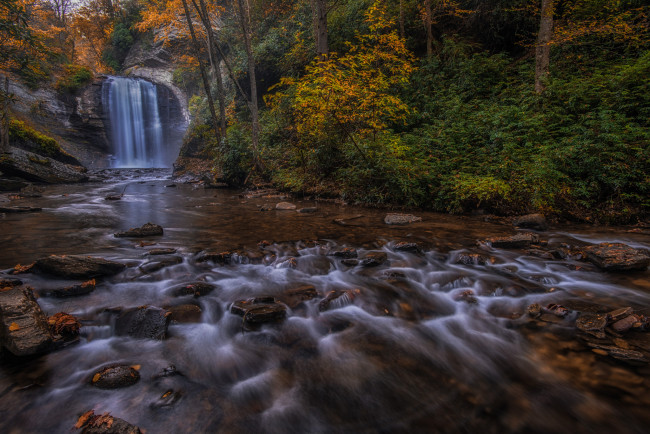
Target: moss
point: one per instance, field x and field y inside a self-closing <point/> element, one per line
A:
<point x="47" y="145"/>
<point x="42" y="161"/>
<point x="74" y="78"/>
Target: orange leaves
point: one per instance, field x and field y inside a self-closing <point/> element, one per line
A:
<point x="96" y="377"/>
<point x="64" y="324"/>
<point x="13" y="327"/>
<point x="90" y="420"/>
<point x="22" y="268"/>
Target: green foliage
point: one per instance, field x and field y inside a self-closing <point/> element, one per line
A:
<point x="234" y="156"/>
<point x="46" y="145"/>
<point x="74" y="78"/>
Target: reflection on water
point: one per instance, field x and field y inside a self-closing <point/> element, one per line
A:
<point x="418" y="344"/>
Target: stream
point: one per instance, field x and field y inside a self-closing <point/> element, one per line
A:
<point x="420" y="343"/>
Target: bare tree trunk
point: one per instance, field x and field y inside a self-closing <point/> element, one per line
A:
<point x="214" y="61"/>
<point x="4" y="117"/>
<point x="319" y="17"/>
<point x="244" y="18"/>
<point x="543" y="48"/>
<point x="428" y="24"/>
<point x="402" y="31"/>
<point x="204" y="76"/>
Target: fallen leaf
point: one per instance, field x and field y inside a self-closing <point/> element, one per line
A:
<point x="13" y="327"/>
<point x="97" y="377"/>
<point x="84" y="418"/>
<point x="136" y="367"/>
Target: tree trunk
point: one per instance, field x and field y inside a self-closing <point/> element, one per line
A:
<point x="214" y="61"/>
<point x="319" y="10"/>
<point x="4" y="117"/>
<point x="543" y="47"/>
<point x="204" y="76"/>
<point x="402" y="31"/>
<point x="429" y="27"/>
<point x="244" y="17"/>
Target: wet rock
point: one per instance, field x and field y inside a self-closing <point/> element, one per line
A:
<point x="114" y="197"/>
<point x="168" y="371"/>
<point x="293" y="297"/>
<point x="593" y="324"/>
<point x="185" y="313"/>
<point x="626" y="323"/>
<point x="474" y="259"/>
<point x="541" y="254"/>
<point x="617" y="257"/>
<point x="534" y="310"/>
<point x="400" y="219"/>
<point x="39" y="168"/>
<point x="557" y="310"/>
<point x="345" y="221"/>
<point x="24" y="330"/>
<point x="346" y="252"/>
<point x="619" y="314"/>
<point x="630" y="356"/>
<point x="374" y="259"/>
<point x="113" y="377"/>
<point x="197" y="289"/>
<point x="153" y="266"/>
<point x="213" y="256"/>
<point x="19" y="209"/>
<point x="170" y="186"/>
<point x="350" y="262"/>
<point x="146" y="230"/>
<point x="167" y="399"/>
<point x="403" y="246"/>
<point x="285" y="206"/>
<point x="77" y="267"/>
<point x="467" y="296"/>
<point x="146" y="322"/>
<point x="89" y="423"/>
<point x="266" y="207"/>
<point x="64" y="325"/>
<point x="518" y="241"/>
<point x="307" y="210"/>
<point x="72" y="291"/>
<point x="9" y="283"/>
<point x="259" y="310"/>
<point x="161" y="251"/>
<point x="31" y="191"/>
<point x="535" y="222"/>
<point x="336" y="299"/>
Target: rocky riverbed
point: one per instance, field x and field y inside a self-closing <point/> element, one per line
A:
<point x="127" y="303"/>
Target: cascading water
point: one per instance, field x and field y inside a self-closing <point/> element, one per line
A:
<point x="135" y="124"/>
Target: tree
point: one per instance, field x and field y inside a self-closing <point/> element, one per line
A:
<point x="319" y="11"/>
<point x="428" y="24"/>
<point x="543" y="46"/>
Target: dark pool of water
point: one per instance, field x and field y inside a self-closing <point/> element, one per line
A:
<point x="407" y="353"/>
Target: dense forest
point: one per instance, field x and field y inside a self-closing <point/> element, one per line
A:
<point x="505" y="106"/>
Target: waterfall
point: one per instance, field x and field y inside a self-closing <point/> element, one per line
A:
<point x="135" y="125"/>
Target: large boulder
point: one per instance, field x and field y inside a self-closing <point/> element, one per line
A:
<point x="77" y="267"/>
<point x="38" y="168"/>
<point x="617" y="257"/>
<point x="146" y="322"/>
<point x="24" y="330"/>
<point x="146" y="230"/>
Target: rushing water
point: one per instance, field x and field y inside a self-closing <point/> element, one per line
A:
<point x="136" y="129"/>
<point x="405" y="352"/>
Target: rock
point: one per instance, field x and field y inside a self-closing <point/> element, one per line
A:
<point x="170" y="186"/>
<point x="19" y="209"/>
<point x="259" y="310"/>
<point x="374" y="259"/>
<point x="114" y="197"/>
<point x="146" y="322"/>
<point x="467" y="296"/>
<point x="77" y="267"/>
<point x="185" y="313"/>
<point x="31" y="191"/>
<point x="400" y="219"/>
<point x="72" y="291"/>
<point x="626" y="323"/>
<point x="64" y="325"/>
<point x="168" y="371"/>
<point x="347" y="252"/>
<point x="9" y="283"/>
<point x="518" y="241"/>
<point x="222" y="258"/>
<point x="146" y="230"/>
<point x="557" y="310"/>
<point x="153" y="266"/>
<point x="266" y="207"/>
<point x="293" y="297"/>
<point x="617" y="257"/>
<point x="7" y="184"/>
<point x="116" y="376"/>
<point x="630" y="356"/>
<point x="285" y="206"/>
<point x="39" y="168"/>
<point x="534" y="310"/>
<point x="350" y="262"/>
<point x="535" y="222"/>
<point x="592" y="324"/>
<point x="24" y="329"/>
<point x="89" y="423"/>
<point x="307" y="210"/>
<point x="162" y="251"/>
<point x="167" y="399"/>
<point x="197" y="289"/>
<point x="403" y="246"/>
<point x="619" y="314"/>
<point x="473" y="259"/>
<point x="336" y="299"/>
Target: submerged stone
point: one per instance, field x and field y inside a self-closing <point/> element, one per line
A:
<point x="197" y="289"/>
<point x="146" y="230"/>
<point x="400" y="219"/>
<point x="73" y="290"/>
<point x="161" y="251"/>
<point x="592" y="324"/>
<point x="293" y="297"/>
<point x="336" y="299"/>
<point x="259" y="310"/>
<point x="473" y="259"/>
<point x="536" y="222"/>
<point x="113" y="377"/>
<point x="403" y="246"/>
<point x="346" y="252"/>
<point x="518" y="241"/>
<point x="185" y="313"/>
<point x="146" y="322"/>
<point x="153" y="266"/>
<point x="617" y="257"/>
<point x="24" y="329"/>
<point x="77" y="267"/>
<point x="285" y="206"/>
<point x="374" y="259"/>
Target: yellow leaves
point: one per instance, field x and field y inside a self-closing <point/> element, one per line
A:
<point x="136" y="367"/>
<point x="83" y="419"/>
<point x="96" y="377"/>
<point x="90" y="420"/>
<point x="64" y="324"/>
<point x="22" y="268"/>
<point x="13" y="327"/>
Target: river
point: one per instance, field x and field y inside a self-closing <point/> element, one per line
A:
<point x="418" y="344"/>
